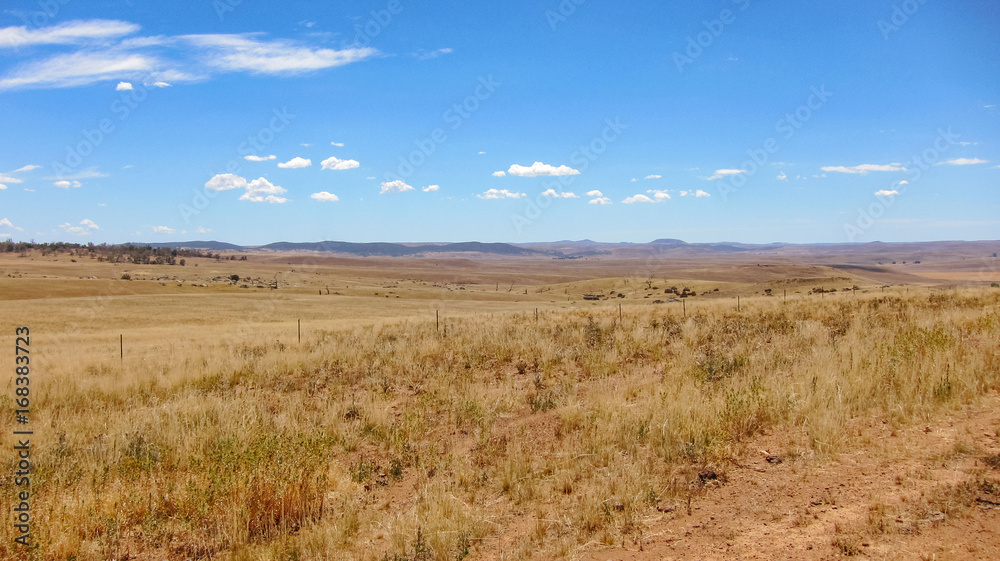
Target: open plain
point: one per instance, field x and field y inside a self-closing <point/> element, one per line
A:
<point x="645" y="402"/>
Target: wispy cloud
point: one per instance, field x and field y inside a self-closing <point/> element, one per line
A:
<point x="398" y="186"/>
<point x="325" y="196"/>
<point x="28" y="167"/>
<point x="161" y="60"/>
<point x="720" y="173"/>
<point x="66" y="184"/>
<point x="963" y="162"/>
<point x="433" y="54"/>
<point x="431" y="188"/>
<point x="654" y="177"/>
<point x="337" y="164"/>
<point x="70" y="32"/>
<point x="6" y="222"/>
<point x="600" y="201"/>
<point x="495" y="194"/>
<point x="538" y="168"/>
<point x="865" y="169"/>
<point x="886" y="193"/>
<point x="4" y="178"/>
<point x="78" y="69"/>
<point x="337" y="144"/>
<point x="782" y="177"/>
<point x="296" y="163"/>
<point x="163" y="230"/>
<point x="253" y="158"/>
<point x="203" y="230"/>
<point x="245" y="53"/>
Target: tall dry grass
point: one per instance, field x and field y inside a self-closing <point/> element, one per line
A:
<point x="400" y="442"/>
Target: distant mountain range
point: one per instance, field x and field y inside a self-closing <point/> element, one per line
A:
<point x="379" y="249"/>
<point x="580" y="249"/>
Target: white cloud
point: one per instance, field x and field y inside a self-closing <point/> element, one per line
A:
<point x="162" y="230"/>
<point x="325" y="197"/>
<point x="968" y="144"/>
<point x="963" y="162"/>
<point x="245" y="53"/>
<point x="659" y="195"/>
<point x="481" y="153"/>
<point x="782" y="177"/>
<point x="253" y="158"/>
<point x="2" y="187"/>
<point x="296" y="163"/>
<point x="9" y="179"/>
<point x="720" y="173"/>
<point x="553" y="194"/>
<point x="7" y="223"/>
<point x="337" y="164"/>
<point x="538" y="168"/>
<point x="633" y="180"/>
<point x="595" y="193"/>
<point x="501" y="194"/>
<point x="78" y="69"/>
<point x="337" y="144"/>
<point x="886" y="193"/>
<point x="67" y="184"/>
<point x="904" y="182"/>
<point x="370" y="177"/>
<point x="28" y="167"/>
<point x="864" y="169"/>
<point x="654" y="177"/>
<point x="638" y="199"/>
<point x="123" y="86"/>
<point x="397" y="186"/>
<point x="89" y="173"/>
<point x="161" y="84"/>
<point x="203" y="230"/>
<point x="698" y="193"/>
<point x="600" y="201"/>
<point x="225" y="182"/>
<point x="499" y="174"/>
<point x="433" y="54"/>
<point x="86" y="225"/>
<point x="70" y="32"/>
<point x="431" y="188"/>
<point x="258" y="188"/>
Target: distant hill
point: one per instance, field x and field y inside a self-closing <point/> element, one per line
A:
<point x="209" y="245"/>
<point x="383" y="249"/>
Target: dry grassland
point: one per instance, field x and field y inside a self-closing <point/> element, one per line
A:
<point x="495" y="435"/>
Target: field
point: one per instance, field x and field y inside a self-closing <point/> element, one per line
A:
<point x="304" y="406"/>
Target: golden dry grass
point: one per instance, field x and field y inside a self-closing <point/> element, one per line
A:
<point x="380" y="436"/>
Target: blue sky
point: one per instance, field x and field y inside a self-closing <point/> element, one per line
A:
<point x="515" y="121"/>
